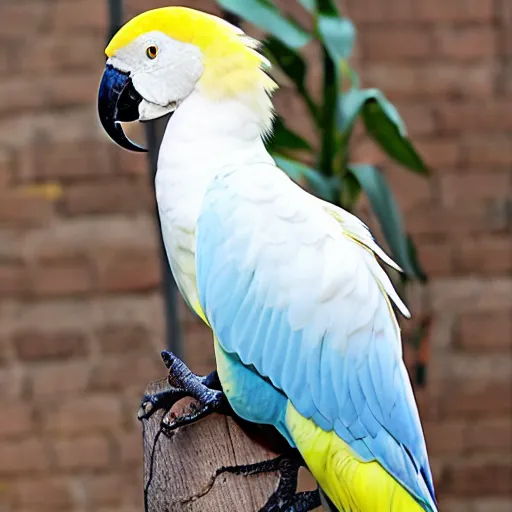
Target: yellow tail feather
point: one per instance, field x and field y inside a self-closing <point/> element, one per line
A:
<point x="352" y="485"/>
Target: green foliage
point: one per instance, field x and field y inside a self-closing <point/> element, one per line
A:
<point x="334" y="177"/>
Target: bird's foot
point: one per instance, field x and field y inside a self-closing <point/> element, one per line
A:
<point x="206" y="390"/>
<point x="285" y="498"/>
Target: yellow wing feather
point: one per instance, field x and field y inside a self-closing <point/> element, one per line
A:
<point x="351" y="484"/>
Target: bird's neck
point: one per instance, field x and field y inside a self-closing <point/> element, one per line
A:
<point x="205" y="137"/>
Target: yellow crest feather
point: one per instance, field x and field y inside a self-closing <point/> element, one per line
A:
<point x="232" y="64"/>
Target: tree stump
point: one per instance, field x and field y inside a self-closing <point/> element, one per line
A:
<point x="179" y="470"/>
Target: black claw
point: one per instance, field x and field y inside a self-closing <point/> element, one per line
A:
<point x="167" y="358"/>
<point x="163" y="400"/>
<point x="206" y="390"/>
<point x="265" y="466"/>
<point x="285" y="498"/>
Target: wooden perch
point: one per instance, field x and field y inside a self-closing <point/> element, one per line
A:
<point x="179" y="471"/>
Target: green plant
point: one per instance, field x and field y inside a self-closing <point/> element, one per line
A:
<point x="334" y="176"/>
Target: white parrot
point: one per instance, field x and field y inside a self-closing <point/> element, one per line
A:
<point x="305" y="336"/>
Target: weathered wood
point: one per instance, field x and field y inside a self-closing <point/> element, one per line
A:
<point x="179" y="471"/>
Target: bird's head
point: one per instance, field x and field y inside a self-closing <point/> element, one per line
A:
<point x="157" y="59"/>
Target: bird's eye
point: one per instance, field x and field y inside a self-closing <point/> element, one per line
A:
<point x="152" y="52"/>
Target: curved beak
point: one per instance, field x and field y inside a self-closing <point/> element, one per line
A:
<point x="118" y="101"/>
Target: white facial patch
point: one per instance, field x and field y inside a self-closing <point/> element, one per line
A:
<point x="165" y="80"/>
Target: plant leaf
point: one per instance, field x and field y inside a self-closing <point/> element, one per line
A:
<point x="288" y="60"/>
<point x="323" y="187"/>
<point x="383" y="123"/>
<point x="386" y="127"/>
<point x="293" y="65"/>
<point x="338" y="35"/>
<point x="350" y="105"/>
<point x="267" y="17"/>
<point x="327" y="7"/>
<point x="386" y="210"/>
<point x="416" y="265"/>
<point x="308" y="5"/>
<point x="284" y="138"/>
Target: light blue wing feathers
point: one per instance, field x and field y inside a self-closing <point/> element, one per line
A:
<point x="297" y="299"/>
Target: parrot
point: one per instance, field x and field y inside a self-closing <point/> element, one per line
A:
<point x="293" y="288"/>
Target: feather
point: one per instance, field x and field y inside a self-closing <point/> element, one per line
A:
<point x="315" y="320"/>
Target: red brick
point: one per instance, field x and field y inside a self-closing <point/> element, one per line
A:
<point x="419" y="119"/>
<point x="27" y="455"/>
<point x="476" y="399"/>
<point x="12" y="383"/>
<point x="447" y="79"/>
<point x="67" y="90"/>
<point x="439" y="153"/>
<point x="473" y="478"/>
<point x="485" y="331"/>
<point x="20" y="420"/>
<point x="199" y="348"/>
<point x="66" y="161"/>
<point x="131" y="163"/>
<point x="123" y="339"/>
<point x="78" y="415"/>
<point x="18" y="94"/>
<point x="504" y="14"/>
<point x="118" y="491"/>
<point x="5" y="59"/>
<point x="106" y="489"/>
<point x="479" y="368"/>
<point x="445" y="438"/>
<point x="464" y="218"/>
<point x="61" y="277"/>
<point x="412" y="191"/>
<point x="53" y="52"/>
<point x="109" y="196"/>
<point x="48" y="493"/>
<point x="431" y="79"/>
<point x="436" y="257"/>
<point x="488" y="255"/>
<point x="470" y="295"/>
<point x="59" y="379"/>
<point x="484" y="151"/>
<point x="116" y="374"/>
<point x="455" y="10"/>
<point x="123" y="269"/>
<point x="466" y="42"/>
<point x="396" y="80"/>
<point x="55" y="90"/>
<point x="33" y="345"/>
<point x="14" y="280"/>
<point x="4" y="351"/>
<point x="87" y="452"/>
<point x="489" y="435"/>
<point x="129" y="445"/>
<point x="475" y="503"/>
<point x="32" y="15"/>
<point x="376" y="11"/>
<point x="460" y="187"/>
<point x="401" y="43"/>
<point x="80" y="15"/>
<point x="23" y="211"/>
<point x="474" y="116"/>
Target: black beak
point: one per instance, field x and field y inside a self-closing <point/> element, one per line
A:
<point x="118" y="101"/>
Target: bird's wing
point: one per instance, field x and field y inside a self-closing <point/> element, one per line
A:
<point x="297" y="293"/>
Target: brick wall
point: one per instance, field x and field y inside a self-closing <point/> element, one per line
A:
<point x="80" y="306"/>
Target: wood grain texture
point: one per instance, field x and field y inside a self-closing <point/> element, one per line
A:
<point x="179" y="471"/>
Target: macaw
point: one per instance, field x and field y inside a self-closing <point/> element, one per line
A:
<point x="305" y="336"/>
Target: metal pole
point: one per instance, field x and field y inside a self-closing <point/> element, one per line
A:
<point x="115" y="10"/>
<point x="154" y="133"/>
